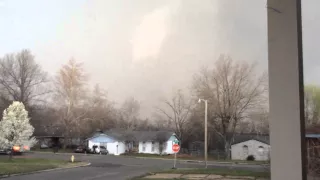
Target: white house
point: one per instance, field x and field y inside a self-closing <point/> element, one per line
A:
<point x="257" y="147"/>
<point x="114" y="145"/>
<point x="120" y="141"/>
<point x="156" y="142"/>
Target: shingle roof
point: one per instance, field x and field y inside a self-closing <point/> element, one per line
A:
<point x="312" y="135"/>
<point x="118" y="135"/>
<point x="152" y="135"/>
<point x="123" y="135"/>
<point x="246" y="137"/>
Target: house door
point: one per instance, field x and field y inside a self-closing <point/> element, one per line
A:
<point x="117" y="148"/>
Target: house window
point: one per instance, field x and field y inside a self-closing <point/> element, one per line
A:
<point x="261" y="150"/>
<point x="143" y="146"/>
<point x="152" y="146"/>
<point x="245" y="150"/>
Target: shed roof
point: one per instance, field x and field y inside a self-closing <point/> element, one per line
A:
<point x="246" y="137"/>
<point x="152" y="135"/>
<point x="312" y="135"/>
<point x="123" y="135"/>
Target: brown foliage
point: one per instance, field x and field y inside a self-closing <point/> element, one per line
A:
<point x="178" y="111"/>
<point x="22" y="79"/>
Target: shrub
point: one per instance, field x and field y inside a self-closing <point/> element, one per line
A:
<point x="251" y="158"/>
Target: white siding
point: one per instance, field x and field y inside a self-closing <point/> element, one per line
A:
<point x="111" y="147"/>
<point x="116" y="148"/>
<point x="90" y="144"/>
<point x="122" y="148"/>
<point x="148" y="148"/>
<point x="238" y="151"/>
<point x="169" y="147"/>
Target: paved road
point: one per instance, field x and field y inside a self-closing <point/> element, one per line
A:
<point x="115" y="168"/>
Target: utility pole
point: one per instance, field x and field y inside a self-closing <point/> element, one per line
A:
<point x="205" y="131"/>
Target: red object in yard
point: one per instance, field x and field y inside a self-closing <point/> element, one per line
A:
<point x="175" y="148"/>
<point x="27" y="148"/>
<point x="16" y="148"/>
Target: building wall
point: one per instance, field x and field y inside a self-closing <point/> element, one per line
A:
<point x="116" y="148"/>
<point x="242" y="150"/>
<point x="149" y="147"/>
<point x="169" y="147"/>
<point x="113" y="146"/>
<point x="153" y="148"/>
<point x="91" y="144"/>
<point x="170" y="143"/>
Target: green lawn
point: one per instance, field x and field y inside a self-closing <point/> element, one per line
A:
<point x="188" y="157"/>
<point x="24" y="165"/>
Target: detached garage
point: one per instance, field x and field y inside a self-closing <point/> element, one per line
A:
<point x="251" y="146"/>
<point x="114" y="146"/>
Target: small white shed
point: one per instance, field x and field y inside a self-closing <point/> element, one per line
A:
<point x="258" y="148"/>
<point x="114" y="146"/>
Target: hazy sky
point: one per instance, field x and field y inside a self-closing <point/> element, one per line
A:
<point x="146" y="48"/>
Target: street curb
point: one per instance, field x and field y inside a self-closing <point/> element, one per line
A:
<point x="46" y="170"/>
<point x="167" y="159"/>
<point x="195" y="161"/>
<point x="42" y="152"/>
<point x="65" y="153"/>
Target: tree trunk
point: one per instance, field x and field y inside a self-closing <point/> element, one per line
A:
<point x="11" y="155"/>
<point x="227" y="150"/>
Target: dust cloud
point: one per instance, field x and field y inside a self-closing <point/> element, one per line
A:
<point x="149" y="49"/>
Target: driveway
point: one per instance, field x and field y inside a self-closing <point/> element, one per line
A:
<point x="116" y="168"/>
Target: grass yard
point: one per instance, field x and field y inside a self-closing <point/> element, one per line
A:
<point x="24" y="165"/>
<point x="189" y="157"/>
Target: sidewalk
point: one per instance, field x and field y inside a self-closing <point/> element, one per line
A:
<point x="49" y="152"/>
<point x="197" y="161"/>
<point x="165" y="176"/>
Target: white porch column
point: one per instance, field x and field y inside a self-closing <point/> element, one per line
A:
<point x="286" y="90"/>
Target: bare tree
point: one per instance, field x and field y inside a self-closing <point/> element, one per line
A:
<point x="22" y="79"/>
<point x="146" y="125"/>
<point x="233" y="90"/>
<point x="312" y="105"/>
<point x="101" y="112"/>
<point x="177" y="111"/>
<point x="160" y="122"/>
<point x="70" y="90"/>
<point x="130" y="111"/>
<point x="256" y="123"/>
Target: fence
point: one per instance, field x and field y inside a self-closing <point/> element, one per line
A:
<point x="212" y="154"/>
